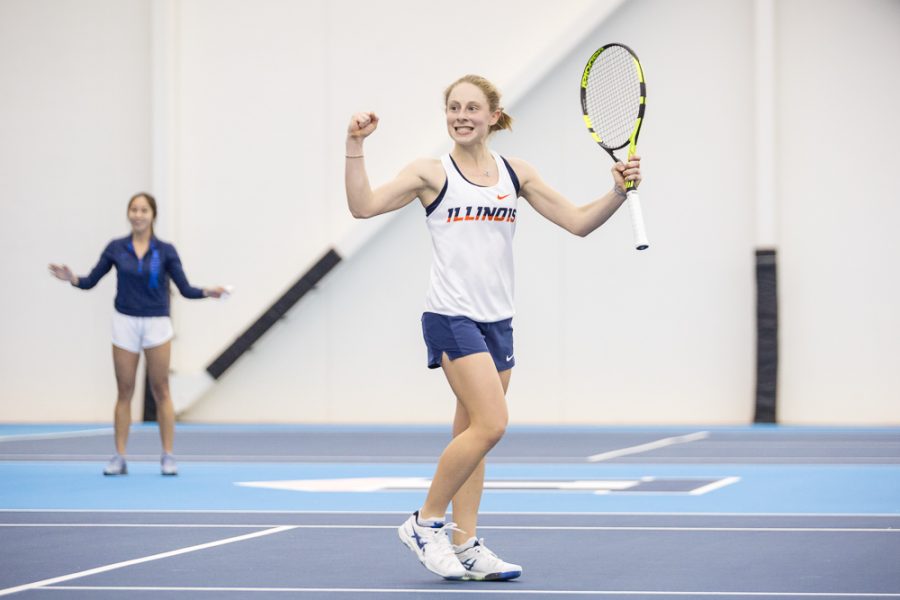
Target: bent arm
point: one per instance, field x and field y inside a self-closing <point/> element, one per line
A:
<point x="364" y="202"/>
<point x="556" y="208"/>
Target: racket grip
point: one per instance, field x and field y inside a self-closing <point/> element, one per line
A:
<point x="637" y="220"/>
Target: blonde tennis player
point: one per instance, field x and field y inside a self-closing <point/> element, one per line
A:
<point x="470" y="196"/>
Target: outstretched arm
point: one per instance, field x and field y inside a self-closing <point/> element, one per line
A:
<point x="580" y="220"/>
<point x="363" y="201"/>
<point x="64" y="273"/>
<point x="176" y="272"/>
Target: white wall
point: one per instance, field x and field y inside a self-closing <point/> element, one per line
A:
<point x="250" y="154"/>
<point x="839" y="197"/>
<point x="74" y="146"/>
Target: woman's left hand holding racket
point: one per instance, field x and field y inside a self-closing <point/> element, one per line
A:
<point x="624" y="172"/>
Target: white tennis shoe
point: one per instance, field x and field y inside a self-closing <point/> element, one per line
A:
<point x="482" y="564"/>
<point x="116" y="466"/>
<point x="167" y="465"/>
<point x="431" y="545"/>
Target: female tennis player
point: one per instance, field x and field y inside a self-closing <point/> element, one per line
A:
<point x="470" y="200"/>
<point x="144" y="264"/>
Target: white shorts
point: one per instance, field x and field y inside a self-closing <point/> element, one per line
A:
<point x="134" y="333"/>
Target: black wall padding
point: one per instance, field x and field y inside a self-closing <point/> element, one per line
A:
<point x="262" y="325"/>
<point x="274" y="313"/>
<point x="766" y="336"/>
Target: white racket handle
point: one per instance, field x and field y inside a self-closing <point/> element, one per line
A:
<point x="637" y="220"/>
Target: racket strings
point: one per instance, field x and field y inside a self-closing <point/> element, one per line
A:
<point x="612" y="96"/>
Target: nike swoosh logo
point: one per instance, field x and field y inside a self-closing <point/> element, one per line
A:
<point x="509" y="358"/>
<point x="499" y="197"/>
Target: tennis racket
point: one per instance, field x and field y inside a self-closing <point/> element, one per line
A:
<point x="613" y="97"/>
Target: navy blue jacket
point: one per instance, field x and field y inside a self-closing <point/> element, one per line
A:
<point x="142" y="288"/>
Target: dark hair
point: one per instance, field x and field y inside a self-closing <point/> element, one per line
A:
<point x="490" y="92"/>
<point x="150" y="200"/>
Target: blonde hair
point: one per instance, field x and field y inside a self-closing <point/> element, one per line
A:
<point x="490" y="92"/>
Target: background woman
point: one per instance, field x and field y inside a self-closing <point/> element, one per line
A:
<point x="144" y="265"/>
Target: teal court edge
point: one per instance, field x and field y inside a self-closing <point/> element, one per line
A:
<point x="793" y="488"/>
<point x="762" y="489"/>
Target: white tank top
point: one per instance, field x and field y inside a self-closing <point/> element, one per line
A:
<point x="472" y="229"/>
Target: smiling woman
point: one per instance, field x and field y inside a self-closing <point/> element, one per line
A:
<point x="144" y="265"/>
<point x="470" y="198"/>
<point x="465" y="115"/>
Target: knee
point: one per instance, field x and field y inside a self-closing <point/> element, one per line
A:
<point x="493" y="431"/>
<point x="125" y="394"/>
<point x="160" y="391"/>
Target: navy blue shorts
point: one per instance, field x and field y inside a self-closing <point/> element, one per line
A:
<point x="461" y="336"/>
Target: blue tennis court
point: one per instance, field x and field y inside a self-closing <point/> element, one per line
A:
<point x="311" y="511"/>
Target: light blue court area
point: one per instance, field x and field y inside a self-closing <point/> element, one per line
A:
<point x="749" y="470"/>
<point x="758" y="489"/>
<point x="12" y="432"/>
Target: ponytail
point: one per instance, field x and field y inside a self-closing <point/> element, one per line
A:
<point x="504" y="122"/>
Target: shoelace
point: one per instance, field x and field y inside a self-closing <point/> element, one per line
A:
<point x="451" y="527"/>
<point x="443" y="537"/>
<point x="448" y="527"/>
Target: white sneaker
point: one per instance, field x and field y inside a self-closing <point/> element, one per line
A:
<point x="432" y="546"/>
<point x="482" y="564"/>
<point x="167" y="465"/>
<point x="116" y="466"/>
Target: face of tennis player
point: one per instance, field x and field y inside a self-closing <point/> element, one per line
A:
<point x="469" y="116"/>
<point x="141" y="215"/>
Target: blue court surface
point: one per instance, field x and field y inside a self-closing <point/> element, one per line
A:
<point x="311" y="512"/>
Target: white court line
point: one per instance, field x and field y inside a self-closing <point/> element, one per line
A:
<point x="244" y="458"/>
<point x="163" y="525"/>
<point x="729" y="529"/>
<point x="669" y="441"/>
<point x="318" y="458"/>
<point x="748" y="460"/>
<point x="127" y="563"/>
<point x="794" y="444"/>
<point x="715" y="485"/>
<point x="56" y="435"/>
<point x="215" y="511"/>
<point x="479" y="590"/>
<point x="508" y="527"/>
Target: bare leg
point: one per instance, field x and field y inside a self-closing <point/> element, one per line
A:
<point x="468" y="498"/>
<point x="125" y="364"/>
<point x="478" y="388"/>
<point x="158" y="359"/>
